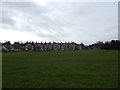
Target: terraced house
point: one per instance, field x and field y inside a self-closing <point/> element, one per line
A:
<point x="31" y="46"/>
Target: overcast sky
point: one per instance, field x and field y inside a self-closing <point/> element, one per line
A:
<point x="85" y="22"/>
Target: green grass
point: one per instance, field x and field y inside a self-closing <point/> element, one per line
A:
<point x="61" y="69"/>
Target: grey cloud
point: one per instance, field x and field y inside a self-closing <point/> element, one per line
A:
<point x="7" y="20"/>
<point x="29" y="11"/>
<point x="63" y="21"/>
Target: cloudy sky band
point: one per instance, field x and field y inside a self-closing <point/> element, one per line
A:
<point x="60" y="0"/>
<point x="85" y="22"/>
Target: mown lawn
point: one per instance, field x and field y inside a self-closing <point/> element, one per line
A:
<point x="60" y="69"/>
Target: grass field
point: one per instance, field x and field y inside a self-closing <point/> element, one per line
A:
<point x="61" y="69"/>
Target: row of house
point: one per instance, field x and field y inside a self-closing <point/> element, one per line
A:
<point x="30" y="46"/>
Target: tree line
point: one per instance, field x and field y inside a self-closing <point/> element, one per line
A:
<point x="109" y="45"/>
